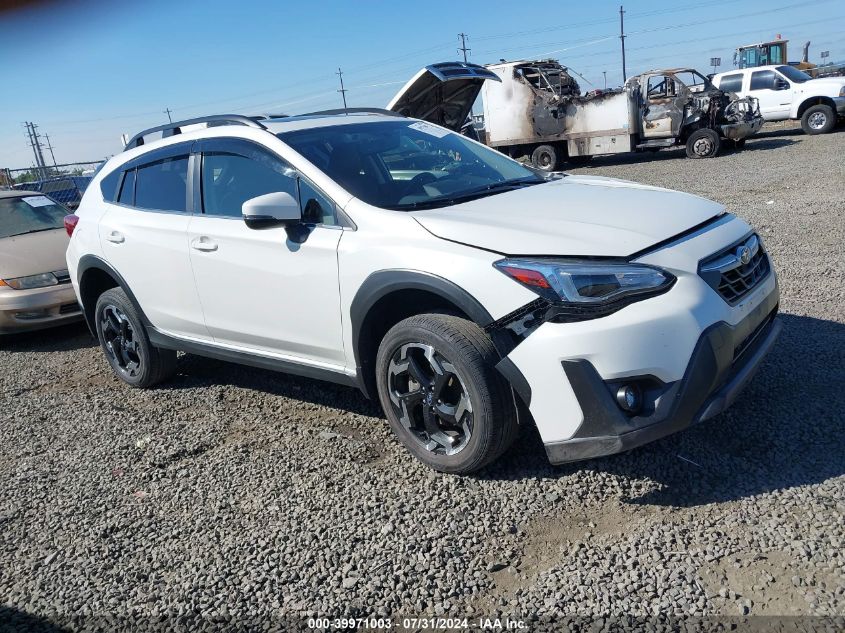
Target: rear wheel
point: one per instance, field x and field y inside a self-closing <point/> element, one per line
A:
<point x="703" y="143"/>
<point x="546" y="158"/>
<point x="442" y="396"/>
<point x="126" y="345"/>
<point x="820" y="119"/>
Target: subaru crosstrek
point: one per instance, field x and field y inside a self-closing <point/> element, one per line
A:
<point x="467" y="292"/>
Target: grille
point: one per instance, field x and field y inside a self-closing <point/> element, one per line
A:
<point x="731" y="278"/>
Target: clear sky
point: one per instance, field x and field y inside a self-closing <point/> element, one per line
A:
<point x="88" y="71"/>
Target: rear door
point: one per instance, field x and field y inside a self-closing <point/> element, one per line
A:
<point x="442" y="93"/>
<point x="265" y="290"/>
<point x="144" y="237"/>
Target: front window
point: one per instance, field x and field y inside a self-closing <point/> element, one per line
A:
<point x="30" y="214"/>
<point x="407" y="164"/>
<point x="793" y="74"/>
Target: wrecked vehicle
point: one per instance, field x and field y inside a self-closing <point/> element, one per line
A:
<point x="537" y="110"/>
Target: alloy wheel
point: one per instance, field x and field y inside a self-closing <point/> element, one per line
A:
<point x="817" y="120"/>
<point x="430" y="399"/>
<point x="120" y="341"/>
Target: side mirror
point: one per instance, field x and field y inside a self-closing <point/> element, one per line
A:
<point x="271" y="209"/>
<point x="781" y="84"/>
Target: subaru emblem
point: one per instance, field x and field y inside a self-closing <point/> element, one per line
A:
<point x="744" y="255"/>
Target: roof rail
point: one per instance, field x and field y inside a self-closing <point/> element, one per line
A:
<point x="175" y="127"/>
<point x="355" y="111"/>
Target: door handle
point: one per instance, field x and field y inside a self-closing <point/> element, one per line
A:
<point x="204" y="244"/>
<point x="116" y="237"/>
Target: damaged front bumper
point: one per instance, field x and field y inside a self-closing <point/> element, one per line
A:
<point x="741" y="129"/>
<point x="723" y="361"/>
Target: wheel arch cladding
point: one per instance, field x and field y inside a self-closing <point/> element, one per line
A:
<point x="389" y="296"/>
<point x="814" y="101"/>
<point x="95" y="276"/>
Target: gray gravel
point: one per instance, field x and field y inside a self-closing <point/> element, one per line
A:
<point x="232" y="493"/>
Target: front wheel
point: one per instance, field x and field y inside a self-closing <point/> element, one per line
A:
<point x="442" y="396"/>
<point x="126" y="345"/>
<point x="820" y="119"/>
<point x="703" y="143"/>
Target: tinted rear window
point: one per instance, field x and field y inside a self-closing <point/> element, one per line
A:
<point x="127" y="189"/>
<point x="163" y="185"/>
<point x="108" y="185"/>
<point x="731" y="83"/>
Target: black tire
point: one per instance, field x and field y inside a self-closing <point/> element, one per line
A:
<point x="124" y="341"/>
<point x="703" y="143"/>
<point x="546" y="158"/>
<point x="819" y="119"/>
<point x="488" y="412"/>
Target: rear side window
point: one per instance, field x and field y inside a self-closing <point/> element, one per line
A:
<point x="731" y="83"/>
<point x="127" y="189"/>
<point x="108" y="185"/>
<point x="163" y="185"/>
<point x="762" y="80"/>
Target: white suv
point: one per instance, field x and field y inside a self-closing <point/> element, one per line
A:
<point x="784" y="92"/>
<point x="467" y="292"/>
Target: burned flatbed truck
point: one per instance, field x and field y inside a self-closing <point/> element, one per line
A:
<point x="537" y="110"/>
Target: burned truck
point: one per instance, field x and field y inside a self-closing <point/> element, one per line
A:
<point x="536" y="109"/>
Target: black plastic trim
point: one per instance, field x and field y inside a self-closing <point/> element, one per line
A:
<point x="517" y="380"/>
<point x="384" y="282"/>
<point x="159" y="339"/>
<point x="713" y="379"/>
<point x="88" y="262"/>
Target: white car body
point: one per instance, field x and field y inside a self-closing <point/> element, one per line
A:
<point x="791" y="99"/>
<point x="214" y="286"/>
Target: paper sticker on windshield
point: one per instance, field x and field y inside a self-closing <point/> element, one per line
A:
<point x="428" y="128"/>
<point x="38" y="201"/>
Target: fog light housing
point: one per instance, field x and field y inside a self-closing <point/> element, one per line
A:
<point x="31" y="315"/>
<point x="629" y="398"/>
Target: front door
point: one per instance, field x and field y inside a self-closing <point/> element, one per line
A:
<point x="661" y="113"/>
<point x="773" y="92"/>
<point x="261" y="290"/>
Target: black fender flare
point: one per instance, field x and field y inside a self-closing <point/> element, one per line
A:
<point x="89" y="262"/>
<point x="384" y="282"/>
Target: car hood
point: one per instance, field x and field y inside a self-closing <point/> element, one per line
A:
<point x="442" y="93"/>
<point x="571" y="216"/>
<point x="33" y="253"/>
<point x="823" y="85"/>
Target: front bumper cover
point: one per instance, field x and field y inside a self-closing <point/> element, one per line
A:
<point x="742" y="129"/>
<point x="724" y="360"/>
<point x="839" y="102"/>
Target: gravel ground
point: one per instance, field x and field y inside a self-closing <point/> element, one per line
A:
<point x="233" y="493"/>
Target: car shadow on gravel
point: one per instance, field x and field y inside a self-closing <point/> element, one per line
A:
<point x="12" y="619"/>
<point x="785" y="431"/>
<point x="64" y="338"/>
<point x="196" y="372"/>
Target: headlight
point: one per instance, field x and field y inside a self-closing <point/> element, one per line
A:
<point x="32" y="281"/>
<point x="588" y="289"/>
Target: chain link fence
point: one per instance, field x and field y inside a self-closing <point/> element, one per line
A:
<point x="65" y="183"/>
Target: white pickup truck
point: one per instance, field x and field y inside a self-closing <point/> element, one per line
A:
<point x="784" y="92"/>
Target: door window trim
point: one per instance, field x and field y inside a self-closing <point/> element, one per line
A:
<point x="171" y="151"/>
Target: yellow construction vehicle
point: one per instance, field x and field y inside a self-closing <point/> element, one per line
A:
<point x="770" y="53"/>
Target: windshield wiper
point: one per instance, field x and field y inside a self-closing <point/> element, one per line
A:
<point x="472" y="194"/>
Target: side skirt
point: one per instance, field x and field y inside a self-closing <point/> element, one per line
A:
<point x="160" y="339"/>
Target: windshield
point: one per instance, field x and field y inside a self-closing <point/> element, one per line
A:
<point x="29" y="214"/>
<point x="407" y="164"/>
<point x="793" y="74"/>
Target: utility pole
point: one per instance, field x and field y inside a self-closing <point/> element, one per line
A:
<point x="604" y="72"/>
<point x="342" y="90"/>
<point x="50" y="147"/>
<point x="36" y="148"/>
<point x="167" y="112"/>
<point x="463" y="47"/>
<point x="622" y="37"/>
